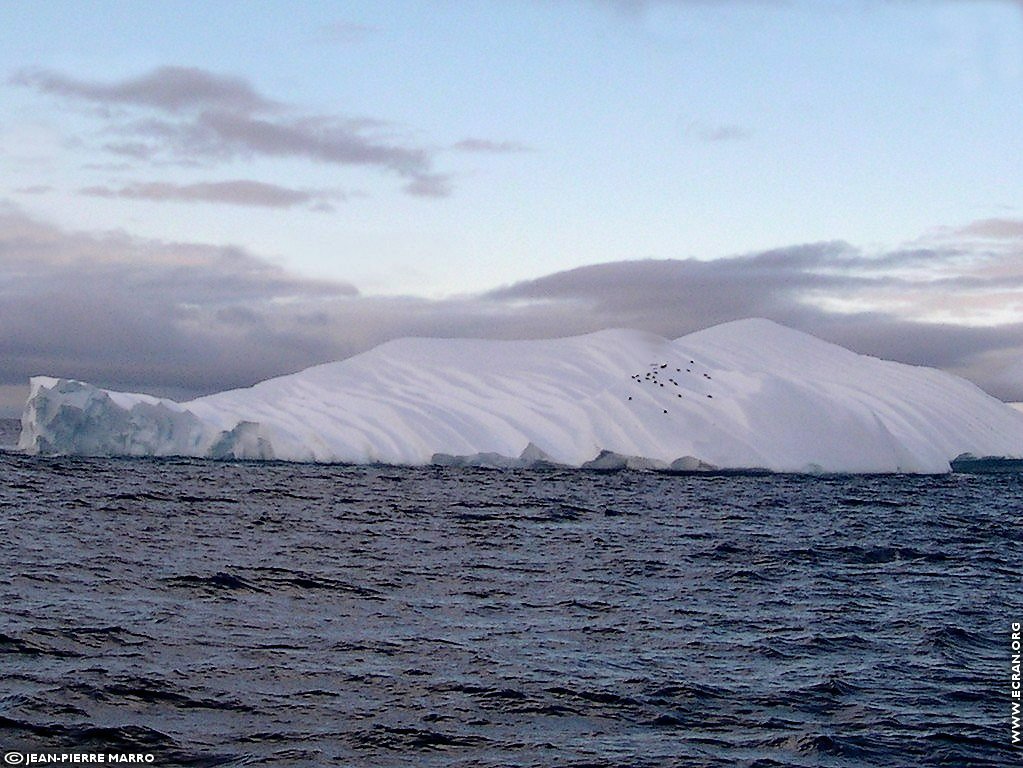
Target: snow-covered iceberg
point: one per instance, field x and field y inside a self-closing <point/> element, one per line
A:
<point x="746" y="394"/>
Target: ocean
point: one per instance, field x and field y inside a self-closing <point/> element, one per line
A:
<point x="231" y="613"/>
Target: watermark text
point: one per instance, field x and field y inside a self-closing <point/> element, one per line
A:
<point x="1014" y="682"/>
<point x="70" y="758"/>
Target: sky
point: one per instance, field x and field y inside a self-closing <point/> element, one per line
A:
<point x="197" y="196"/>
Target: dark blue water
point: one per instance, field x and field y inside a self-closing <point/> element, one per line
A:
<point x="272" y="614"/>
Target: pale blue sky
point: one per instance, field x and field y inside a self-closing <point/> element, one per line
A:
<point x="628" y="130"/>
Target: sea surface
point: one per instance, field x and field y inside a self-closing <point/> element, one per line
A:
<point x="238" y="614"/>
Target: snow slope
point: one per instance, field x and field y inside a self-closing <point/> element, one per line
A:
<point x="746" y="394"/>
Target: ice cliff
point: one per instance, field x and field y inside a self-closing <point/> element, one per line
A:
<point x="746" y="394"/>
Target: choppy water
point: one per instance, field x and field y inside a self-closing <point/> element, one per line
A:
<point x="250" y="614"/>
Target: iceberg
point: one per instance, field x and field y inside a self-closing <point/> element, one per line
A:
<point x="749" y="394"/>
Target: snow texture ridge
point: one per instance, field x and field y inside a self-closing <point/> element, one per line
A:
<point x="742" y="395"/>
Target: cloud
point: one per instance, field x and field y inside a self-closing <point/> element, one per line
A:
<point x="716" y="133"/>
<point x="429" y="185"/>
<point x="997" y="229"/>
<point x="485" y="145"/>
<point x="235" y="192"/>
<point x="188" y="116"/>
<point x="231" y="134"/>
<point x="939" y="284"/>
<point x="134" y="149"/>
<point x="183" y="319"/>
<point x="635" y="8"/>
<point x="171" y="89"/>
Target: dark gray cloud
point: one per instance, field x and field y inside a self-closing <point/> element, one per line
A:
<point x="182" y="319"/>
<point x="673" y="297"/>
<point x="171" y="89"/>
<point x="188" y="116"/>
<point x="234" y="192"/>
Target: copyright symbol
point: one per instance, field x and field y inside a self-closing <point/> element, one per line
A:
<point x="14" y="758"/>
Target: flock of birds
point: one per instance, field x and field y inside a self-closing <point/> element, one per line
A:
<point x="653" y="376"/>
